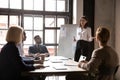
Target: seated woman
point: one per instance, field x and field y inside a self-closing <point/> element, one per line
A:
<point x="104" y="60"/>
<point x="27" y="60"/>
<point x="11" y="63"/>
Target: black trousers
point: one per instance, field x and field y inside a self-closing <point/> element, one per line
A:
<point x="82" y="48"/>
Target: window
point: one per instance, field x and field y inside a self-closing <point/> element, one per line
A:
<point x="5" y="22"/>
<point x="15" y="4"/>
<point x="56" y="5"/>
<point x="33" y="5"/>
<point x="40" y="17"/>
<point x="59" y="7"/>
<point x="3" y="28"/>
<point x="30" y="6"/>
<point x="50" y="21"/>
<point x="50" y="5"/>
<point x="14" y="20"/>
<point x="33" y="25"/>
<point x="3" y="3"/>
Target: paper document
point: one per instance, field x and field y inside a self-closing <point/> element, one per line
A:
<point x="56" y="61"/>
<point x="71" y="63"/>
<point x="60" y="67"/>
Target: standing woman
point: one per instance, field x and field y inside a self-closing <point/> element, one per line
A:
<point x="11" y="63"/>
<point x="83" y="39"/>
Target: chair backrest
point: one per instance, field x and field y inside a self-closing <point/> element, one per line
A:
<point x="116" y="69"/>
<point x="96" y="75"/>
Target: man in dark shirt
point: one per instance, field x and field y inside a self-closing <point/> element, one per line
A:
<point x="38" y="48"/>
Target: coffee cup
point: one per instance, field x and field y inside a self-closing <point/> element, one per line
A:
<point x="42" y="57"/>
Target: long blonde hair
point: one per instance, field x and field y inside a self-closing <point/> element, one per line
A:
<point x="14" y="34"/>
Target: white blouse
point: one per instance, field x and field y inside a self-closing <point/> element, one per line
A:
<point x="84" y="34"/>
<point x="20" y="49"/>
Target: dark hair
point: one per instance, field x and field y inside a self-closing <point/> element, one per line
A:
<point x="36" y="36"/>
<point x="84" y="17"/>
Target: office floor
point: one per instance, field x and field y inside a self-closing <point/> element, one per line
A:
<point x="55" y="78"/>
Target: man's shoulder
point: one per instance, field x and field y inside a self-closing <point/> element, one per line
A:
<point x="99" y="52"/>
<point x="42" y="45"/>
<point x="32" y="46"/>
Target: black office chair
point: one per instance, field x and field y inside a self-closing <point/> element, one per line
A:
<point x="116" y="71"/>
<point x="94" y="77"/>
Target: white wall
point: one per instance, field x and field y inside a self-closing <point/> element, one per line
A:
<point x="107" y="12"/>
<point x="117" y="33"/>
<point x="77" y="11"/>
<point x="104" y="15"/>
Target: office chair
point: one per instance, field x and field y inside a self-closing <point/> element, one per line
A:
<point x="94" y="77"/>
<point x="116" y="71"/>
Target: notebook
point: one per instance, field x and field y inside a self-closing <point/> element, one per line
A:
<point x="56" y="61"/>
<point x="60" y="67"/>
<point x="70" y="63"/>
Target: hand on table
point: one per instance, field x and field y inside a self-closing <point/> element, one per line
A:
<point x="81" y="62"/>
<point x="38" y="61"/>
<point x="38" y="66"/>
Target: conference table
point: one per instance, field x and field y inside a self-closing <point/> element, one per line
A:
<point x="57" y="65"/>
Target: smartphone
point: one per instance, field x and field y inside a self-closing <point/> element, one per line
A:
<point x="82" y="58"/>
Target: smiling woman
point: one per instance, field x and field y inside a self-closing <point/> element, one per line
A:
<point x="83" y="39"/>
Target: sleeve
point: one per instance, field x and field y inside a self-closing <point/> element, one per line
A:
<point x="28" y="61"/>
<point x="94" y="62"/>
<point x="45" y="48"/>
<point x="30" y="50"/>
<point x="77" y="37"/>
<point x="89" y="34"/>
<point x="19" y="63"/>
<point x="20" y="49"/>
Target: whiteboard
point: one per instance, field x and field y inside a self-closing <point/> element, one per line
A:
<point x="66" y="45"/>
